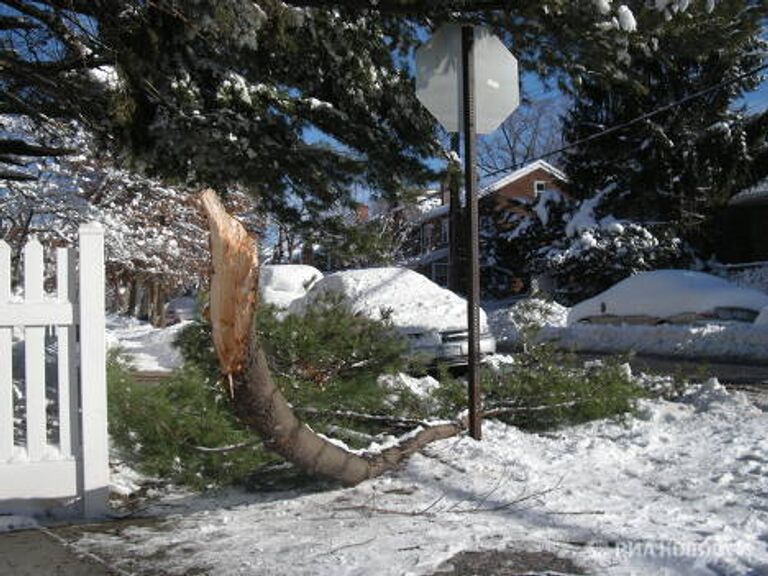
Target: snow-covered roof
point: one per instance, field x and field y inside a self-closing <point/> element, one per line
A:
<point x="756" y="195"/>
<point x="519" y="173"/>
<point x="430" y="204"/>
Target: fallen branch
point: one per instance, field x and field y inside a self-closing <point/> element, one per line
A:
<point x="394" y="421"/>
<point x="225" y="449"/>
<point x="257" y="400"/>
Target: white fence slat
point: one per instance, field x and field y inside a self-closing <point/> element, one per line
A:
<point x="93" y="369"/>
<point x="6" y="363"/>
<point x="63" y="273"/>
<point x="74" y="358"/>
<point x="34" y="354"/>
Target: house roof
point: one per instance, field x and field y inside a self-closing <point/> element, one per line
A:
<point x="519" y="173"/>
<point x="436" y="210"/>
<point x="757" y="195"/>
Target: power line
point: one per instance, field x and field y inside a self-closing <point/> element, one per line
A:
<point x="634" y="121"/>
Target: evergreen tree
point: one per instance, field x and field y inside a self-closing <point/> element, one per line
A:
<point x="677" y="165"/>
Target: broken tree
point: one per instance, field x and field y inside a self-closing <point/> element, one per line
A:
<point x="259" y="403"/>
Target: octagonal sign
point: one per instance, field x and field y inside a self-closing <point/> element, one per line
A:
<point x="439" y="79"/>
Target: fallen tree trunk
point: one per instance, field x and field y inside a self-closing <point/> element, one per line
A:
<point x="259" y="403"/>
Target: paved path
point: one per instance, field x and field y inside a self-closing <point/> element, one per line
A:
<point x="36" y="553"/>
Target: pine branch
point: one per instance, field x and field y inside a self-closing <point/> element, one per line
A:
<point x="16" y="23"/>
<point x="14" y="176"/>
<point x="21" y="148"/>
<point x="415" y="7"/>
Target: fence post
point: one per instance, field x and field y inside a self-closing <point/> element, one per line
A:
<point x="93" y="372"/>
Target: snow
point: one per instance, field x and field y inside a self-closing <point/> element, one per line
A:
<point x="667" y="293"/>
<point x="412" y="302"/>
<point x="11" y="522"/>
<point x="678" y="489"/>
<point x="626" y="19"/>
<point x="510" y="324"/>
<point x="281" y="284"/>
<point x="148" y="349"/>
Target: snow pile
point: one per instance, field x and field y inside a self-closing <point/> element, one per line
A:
<point x="11" y="522"/>
<point x="422" y="388"/>
<point x="715" y="341"/>
<point x="411" y="301"/>
<point x="667" y="293"/>
<point x="147" y="349"/>
<point x="281" y="284"/>
<point x="511" y="324"/>
<point x="755" y="277"/>
<point x="677" y="490"/>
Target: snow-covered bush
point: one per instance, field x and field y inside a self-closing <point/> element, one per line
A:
<point x="594" y="259"/>
<point x="580" y="246"/>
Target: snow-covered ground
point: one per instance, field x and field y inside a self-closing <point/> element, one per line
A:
<point x="148" y="349"/>
<point x="679" y="489"/>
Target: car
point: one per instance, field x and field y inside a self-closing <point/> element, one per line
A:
<point x="281" y="284"/>
<point x="181" y="309"/>
<point x="433" y="319"/>
<point x="671" y="296"/>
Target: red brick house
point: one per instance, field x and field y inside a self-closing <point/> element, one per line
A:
<point x="516" y="192"/>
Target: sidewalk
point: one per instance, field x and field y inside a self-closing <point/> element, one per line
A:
<point x="36" y="553"/>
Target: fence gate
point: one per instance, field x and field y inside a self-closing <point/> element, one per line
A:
<point x="53" y="399"/>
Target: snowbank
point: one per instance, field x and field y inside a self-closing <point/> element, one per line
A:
<point x="412" y="301"/>
<point x="148" y="349"/>
<point x="510" y="324"/>
<point x="716" y="341"/>
<point x="677" y="490"/>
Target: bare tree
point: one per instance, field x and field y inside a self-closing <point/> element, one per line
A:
<point x="532" y="130"/>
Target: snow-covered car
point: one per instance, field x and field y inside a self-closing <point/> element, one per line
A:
<point x="673" y="296"/>
<point x="432" y="318"/>
<point x="281" y="284"/>
<point x="181" y="309"/>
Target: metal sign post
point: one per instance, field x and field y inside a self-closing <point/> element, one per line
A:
<point x="473" y="236"/>
<point x="468" y="80"/>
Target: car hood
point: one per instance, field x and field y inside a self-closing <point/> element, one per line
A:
<point x="412" y="302"/>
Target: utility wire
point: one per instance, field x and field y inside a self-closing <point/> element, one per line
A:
<point x="634" y="121"/>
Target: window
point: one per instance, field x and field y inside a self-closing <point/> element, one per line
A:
<point x="539" y="186"/>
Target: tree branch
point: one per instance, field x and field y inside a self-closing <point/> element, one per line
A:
<point x="21" y="148"/>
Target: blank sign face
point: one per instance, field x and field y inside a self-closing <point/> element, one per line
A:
<point x="439" y="79"/>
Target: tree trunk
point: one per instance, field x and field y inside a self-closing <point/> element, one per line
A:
<point x="259" y="403"/>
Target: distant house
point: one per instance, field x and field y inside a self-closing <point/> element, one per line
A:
<point x="516" y="192"/>
<point x="744" y="233"/>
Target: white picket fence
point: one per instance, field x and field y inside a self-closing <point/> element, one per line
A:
<point x="58" y="462"/>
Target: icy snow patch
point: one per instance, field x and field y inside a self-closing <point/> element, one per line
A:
<point x="678" y="490"/>
<point x="10" y="522"/>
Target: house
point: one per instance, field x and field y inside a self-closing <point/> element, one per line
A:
<point x="744" y="235"/>
<point x="516" y="192"/>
